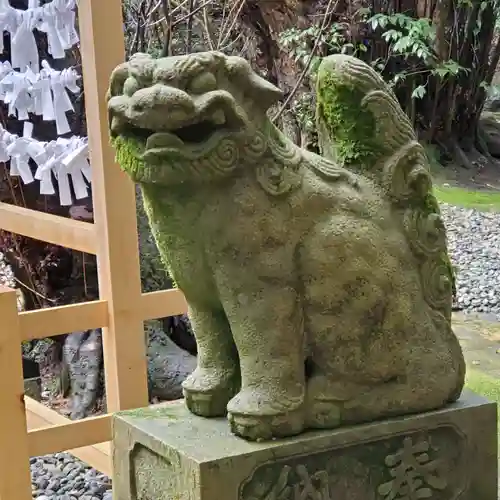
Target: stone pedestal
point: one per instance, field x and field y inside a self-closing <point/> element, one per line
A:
<point x="165" y="453"/>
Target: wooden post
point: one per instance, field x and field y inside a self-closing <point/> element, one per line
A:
<point x="15" y="477"/>
<point x="102" y="49"/>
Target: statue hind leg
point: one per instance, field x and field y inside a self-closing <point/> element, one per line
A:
<point x="426" y="386"/>
<point x="362" y="303"/>
<point x="341" y="391"/>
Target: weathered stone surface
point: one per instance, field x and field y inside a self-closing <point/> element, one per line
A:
<point x="319" y="290"/>
<point x="165" y="453"/>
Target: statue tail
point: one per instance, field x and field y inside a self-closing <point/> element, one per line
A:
<point x="362" y="127"/>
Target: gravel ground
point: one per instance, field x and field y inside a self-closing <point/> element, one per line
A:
<point x="62" y="477"/>
<point x="474" y="244"/>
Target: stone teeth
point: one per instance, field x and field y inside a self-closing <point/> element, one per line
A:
<point x="219" y="118"/>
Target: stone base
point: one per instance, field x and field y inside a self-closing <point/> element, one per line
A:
<point x="165" y="453"/>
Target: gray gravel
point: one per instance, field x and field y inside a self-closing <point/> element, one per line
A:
<point x="62" y="477"/>
<point x="474" y="246"/>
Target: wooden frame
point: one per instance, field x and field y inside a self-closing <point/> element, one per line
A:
<point x="27" y="428"/>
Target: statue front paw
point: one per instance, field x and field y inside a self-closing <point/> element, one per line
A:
<point x="207" y="391"/>
<point x="257" y="416"/>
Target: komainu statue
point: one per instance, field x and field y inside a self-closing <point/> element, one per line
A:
<point x="319" y="287"/>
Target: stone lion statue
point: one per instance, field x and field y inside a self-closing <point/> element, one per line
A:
<point x="319" y="287"/>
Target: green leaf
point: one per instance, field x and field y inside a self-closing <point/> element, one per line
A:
<point x="421" y="53"/>
<point x="399" y="77"/>
<point x="419" y="92"/>
<point x="364" y="11"/>
<point x="402" y="44"/>
<point x="452" y="67"/>
<point x="441" y="72"/>
<point x="392" y="35"/>
<point x="374" y="22"/>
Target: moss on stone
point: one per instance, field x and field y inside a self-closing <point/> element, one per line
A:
<point x="153" y="273"/>
<point x="150" y="413"/>
<point x="431" y="206"/>
<point x="152" y="196"/>
<point x="350" y="125"/>
<point x="351" y="133"/>
<point x="128" y="153"/>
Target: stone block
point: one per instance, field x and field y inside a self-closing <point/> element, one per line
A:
<point x="166" y="453"/>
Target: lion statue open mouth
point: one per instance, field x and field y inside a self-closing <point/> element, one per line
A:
<point x="204" y="122"/>
<point x="319" y="287"/>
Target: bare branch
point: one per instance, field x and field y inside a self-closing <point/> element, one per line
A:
<point x="207" y="27"/>
<point x="189" y="42"/>
<point x="168" y="31"/>
<point x="191" y="14"/>
<point x="222" y="40"/>
<point x="330" y="8"/>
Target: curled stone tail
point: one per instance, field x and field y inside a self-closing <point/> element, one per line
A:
<point x="362" y="126"/>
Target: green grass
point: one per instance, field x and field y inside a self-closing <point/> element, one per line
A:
<point x="458" y="196"/>
<point x="484" y="384"/>
<point x="480" y="200"/>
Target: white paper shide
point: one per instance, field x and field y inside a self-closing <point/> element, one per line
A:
<point x="29" y="87"/>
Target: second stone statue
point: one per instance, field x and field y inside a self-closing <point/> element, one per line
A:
<point x="319" y="287"/>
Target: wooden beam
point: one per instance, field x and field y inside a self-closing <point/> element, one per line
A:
<point x="15" y="477"/>
<point x="50" y="432"/>
<point x="53" y="321"/>
<point x="51" y="228"/>
<point x="58" y="433"/>
<point x="115" y="219"/>
<point x="162" y="304"/>
<point x="59" y="320"/>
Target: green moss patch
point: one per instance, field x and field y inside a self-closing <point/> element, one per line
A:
<point x="128" y="154"/>
<point x="151" y="413"/>
<point x="431" y="206"/>
<point x="348" y="123"/>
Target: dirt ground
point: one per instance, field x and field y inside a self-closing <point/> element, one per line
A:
<point x="481" y="178"/>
